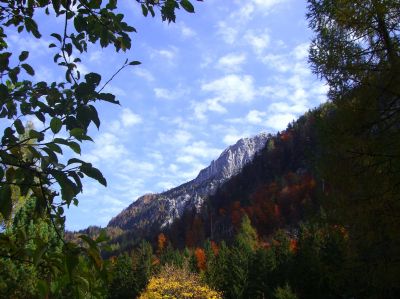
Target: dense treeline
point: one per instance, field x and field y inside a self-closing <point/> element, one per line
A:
<point x="315" y="215"/>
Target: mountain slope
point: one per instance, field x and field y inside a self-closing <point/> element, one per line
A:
<point x="154" y="211"/>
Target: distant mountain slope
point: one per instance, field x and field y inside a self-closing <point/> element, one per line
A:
<point x="155" y="211"/>
<point x="278" y="189"/>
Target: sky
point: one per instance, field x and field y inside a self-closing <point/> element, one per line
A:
<point x="232" y="69"/>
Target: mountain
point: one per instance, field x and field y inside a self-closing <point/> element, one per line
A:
<point x="155" y="211"/>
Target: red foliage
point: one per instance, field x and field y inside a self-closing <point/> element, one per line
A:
<point x="214" y="248"/>
<point x="162" y="239"/>
<point x="293" y="245"/>
<point x="200" y="258"/>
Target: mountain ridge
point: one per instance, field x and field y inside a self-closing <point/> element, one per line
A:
<point x="161" y="209"/>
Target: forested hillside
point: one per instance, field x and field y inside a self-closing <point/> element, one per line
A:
<point x="315" y="214"/>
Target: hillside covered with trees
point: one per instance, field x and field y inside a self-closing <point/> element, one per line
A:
<point x="314" y="215"/>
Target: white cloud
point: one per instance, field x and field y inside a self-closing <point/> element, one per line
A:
<point x="165" y="185"/>
<point x="280" y="63"/>
<point x="163" y="93"/>
<point x="227" y="89"/>
<point x="231" y="138"/>
<point x="185" y="30"/>
<point x="231" y="62"/>
<point x="186" y="159"/>
<point x="36" y="47"/>
<point x="156" y="156"/>
<point x="200" y="108"/>
<point x="301" y="51"/>
<point x="280" y="121"/>
<point x="201" y="149"/>
<point x="44" y="73"/>
<point x="255" y="117"/>
<point x="165" y="55"/>
<point x="297" y="107"/>
<point x="231" y="88"/>
<point x="247" y="9"/>
<point x="142" y="167"/>
<point x="176" y="138"/>
<point x="228" y="33"/>
<point x="95" y="56"/>
<point x="129" y="118"/>
<point x="115" y="90"/>
<point x="143" y="73"/>
<point x="107" y="148"/>
<point x="258" y="42"/>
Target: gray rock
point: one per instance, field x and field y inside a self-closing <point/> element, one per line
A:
<point x="163" y="208"/>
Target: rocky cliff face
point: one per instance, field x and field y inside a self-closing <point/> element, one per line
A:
<point x="162" y="209"/>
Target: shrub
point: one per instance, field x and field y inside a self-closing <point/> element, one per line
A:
<point x="177" y="283"/>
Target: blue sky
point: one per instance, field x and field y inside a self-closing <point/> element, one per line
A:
<point x="233" y="69"/>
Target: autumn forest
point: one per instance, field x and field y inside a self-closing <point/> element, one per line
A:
<point x="315" y="214"/>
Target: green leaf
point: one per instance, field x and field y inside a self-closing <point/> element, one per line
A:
<point x="56" y="5"/>
<point x="94" y="173"/>
<point x="4" y="61"/>
<point x="77" y="133"/>
<point x="68" y="188"/>
<point x="102" y="236"/>
<point x="134" y="63"/>
<point x="187" y="6"/>
<point x="75" y="160"/>
<point x="39" y="136"/>
<point x="94" y="116"/>
<point x="80" y="23"/>
<point x="57" y="36"/>
<point x="1" y="173"/>
<point x="55" y="125"/>
<point x="38" y="254"/>
<point x="93" y="79"/>
<point x="43" y="288"/>
<point x="23" y="56"/>
<point x="145" y="11"/>
<point x="51" y="154"/>
<point x="75" y="147"/>
<point x="3" y="92"/>
<point x="34" y="152"/>
<point x="108" y="97"/>
<point x="13" y="74"/>
<point x="54" y="147"/>
<point x="28" y="69"/>
<point x="5" y="201"/>
<point x="19" y="126"/>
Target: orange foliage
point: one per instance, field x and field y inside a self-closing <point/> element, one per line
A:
<point x="214" y="248"/>
<point x="162" y="239"/>
<point x="286" y="135"/>
<point x="293" y="245"/>
<point x="200" y="258"/>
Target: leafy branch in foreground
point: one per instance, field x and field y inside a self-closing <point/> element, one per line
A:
<point x="30" y="159"/>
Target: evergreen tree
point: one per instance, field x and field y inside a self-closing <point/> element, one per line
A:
<point x="218" y="270"/>
<point x="261" y="280"/>
<point x="240" y="257"/>
<point x="123" y="284"/>
<point x="357" y="51"/>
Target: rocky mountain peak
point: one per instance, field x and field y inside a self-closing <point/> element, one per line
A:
<point x="232" y="159"/>
<point x="162" y="209"/>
